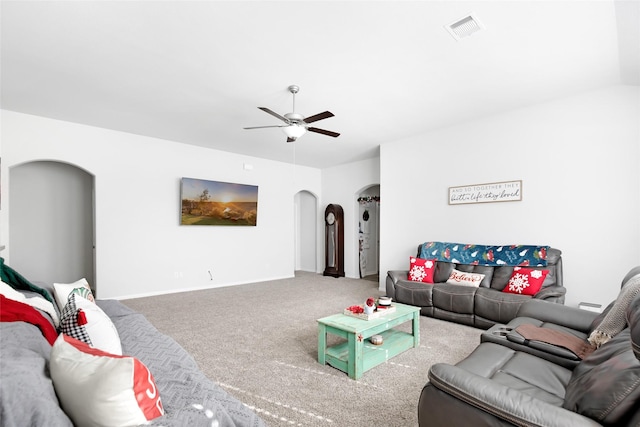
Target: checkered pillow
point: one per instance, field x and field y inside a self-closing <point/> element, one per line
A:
<point x="86" y="322"/>
<point x="74" y="320"/>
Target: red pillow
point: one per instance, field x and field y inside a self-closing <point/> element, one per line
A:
<point x="421" y="270"/>
<point x="525" y="281"/>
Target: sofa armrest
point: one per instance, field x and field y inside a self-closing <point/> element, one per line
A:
<point x="393" y="276"/>
<point x="552" y="293"/>
<point x="562" y="315"/>
<point x="501" y="401"/>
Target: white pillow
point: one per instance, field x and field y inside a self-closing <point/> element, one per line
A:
<point x="101" y="389"/>
<point x="465" y="279"/>
<point x="63" y="290"/>
<point x="85" y="321"/>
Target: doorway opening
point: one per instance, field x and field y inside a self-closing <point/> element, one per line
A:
<point x="368" y="201"/>
<point x="305" y="218"/>
<point x="51" y="220"/>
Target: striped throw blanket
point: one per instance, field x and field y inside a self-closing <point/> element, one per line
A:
<point x="615" y="320"/>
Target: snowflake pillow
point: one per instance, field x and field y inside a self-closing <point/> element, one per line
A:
<point x="421" y="270"/>
<point x="525" y="281"/>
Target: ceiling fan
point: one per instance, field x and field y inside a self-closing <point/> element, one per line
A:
<point x="295" y="125"/>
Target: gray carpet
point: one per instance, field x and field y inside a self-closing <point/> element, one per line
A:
<point x="259" y="342"/>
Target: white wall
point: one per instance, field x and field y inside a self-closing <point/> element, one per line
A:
<point x="141" y="248"/>
<point x="342" y="185"/>
<point x="579" y="160"/>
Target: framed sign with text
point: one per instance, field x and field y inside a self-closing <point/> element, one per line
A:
<point x="506" y="191"/>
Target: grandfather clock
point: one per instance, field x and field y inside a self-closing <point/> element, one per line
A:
<point x="334" y="241"/>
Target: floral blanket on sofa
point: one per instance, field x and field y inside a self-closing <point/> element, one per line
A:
<point x="461" y="253"/>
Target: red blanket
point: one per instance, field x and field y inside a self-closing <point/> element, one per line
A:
<point x="15" y="311"/>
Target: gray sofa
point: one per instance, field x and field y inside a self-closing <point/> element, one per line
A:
<point x="28" y="396"/>
<point x="504" y="382"/>
<point x="482" y="306"/>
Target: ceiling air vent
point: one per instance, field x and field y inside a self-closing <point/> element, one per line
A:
<point x="464" y="27"/>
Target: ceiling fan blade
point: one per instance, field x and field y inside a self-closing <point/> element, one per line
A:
<point x="319" y="116"/>
<point x="324" y="132"/>
<point x="274" y="114"/>
<point x="262" y="127"/>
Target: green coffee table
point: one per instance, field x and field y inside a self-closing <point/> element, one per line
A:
<point x="357" y="355"/>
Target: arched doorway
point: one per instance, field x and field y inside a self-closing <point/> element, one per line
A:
<point x="51" y="222"/>
<point x="306" y="207"/>
<point x="369" y="233"/>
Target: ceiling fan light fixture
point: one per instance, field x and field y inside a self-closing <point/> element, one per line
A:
<point x="296" y="124"/>
<point x="294" y="131"/>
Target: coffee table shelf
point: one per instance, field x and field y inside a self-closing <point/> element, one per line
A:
<point x="357" y="355"/>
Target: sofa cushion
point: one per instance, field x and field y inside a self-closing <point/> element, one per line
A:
<point x="421" y="270"/>
<point x="528" y="374"/>
<point x="526" y="281"/>
<point x="27" y="394"/>
<point x="605" y="386"/>
<point x="465" y="279"/>
<point x="414" y="293"/>
<point x="498" y="306"/>
<point x="443" y="271"/>
<point x="501" y="277"/>
<point x="180" y="381"/>
<point x="102" y="389"/>
<point x="454" y="298"/>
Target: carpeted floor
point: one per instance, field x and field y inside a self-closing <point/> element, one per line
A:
<point x="259" y="342"/>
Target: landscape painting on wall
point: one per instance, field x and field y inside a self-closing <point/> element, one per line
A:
<point x="217" y="203"/>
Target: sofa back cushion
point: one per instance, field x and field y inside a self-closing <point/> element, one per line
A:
<point x="498" y="277"/>
<point x="605" y="386"/>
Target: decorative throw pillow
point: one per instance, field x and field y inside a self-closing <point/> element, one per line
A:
<point x="85" y="321"/>
<point x="466" y="279"/>
<point x="63" y="290"/>
<point x="101" y="389"/>
<point x="525" y="281"/>
<point x="421" y="270"/>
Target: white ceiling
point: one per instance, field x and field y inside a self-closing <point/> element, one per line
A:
<point x="195" y="71"/>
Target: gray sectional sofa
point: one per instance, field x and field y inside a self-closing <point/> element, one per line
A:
<point x="509" y="380"/>
<point x="482" y="306"/>
<point x="30" y="397"/>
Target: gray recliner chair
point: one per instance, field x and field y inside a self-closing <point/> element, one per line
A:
<point x="579" y="323"/>
<point x="497" y="385"/>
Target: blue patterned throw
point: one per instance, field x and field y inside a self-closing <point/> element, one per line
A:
<point x="460" y="253"/>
